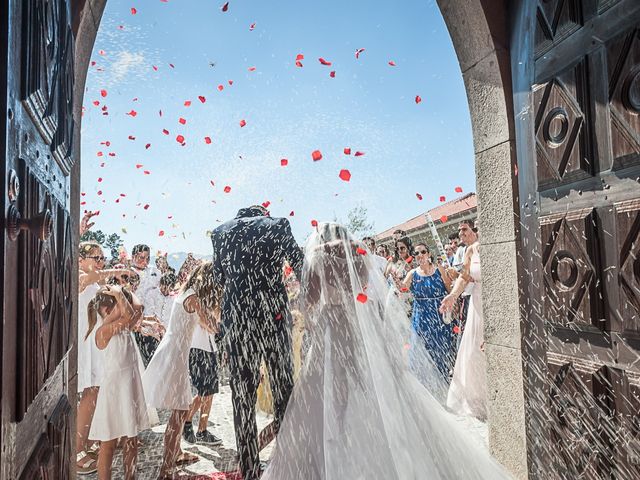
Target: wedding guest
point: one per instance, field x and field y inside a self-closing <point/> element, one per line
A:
<point x="166" y="380"/>
<point x="203" y="371"/>
<point x="397" y="268"/>
<point x="161" y="263"/>
<point x="383" y="251"/>
<point x="378" y="260"/>
<point x="160" y="300"/>
<point x="187" y="268"/>
<point x="468" y="391"/>
<point x="121" y="410"/>
<point x="429" y="284"/>
<point x="149" y="277"/>
<point x="90" y="362"/>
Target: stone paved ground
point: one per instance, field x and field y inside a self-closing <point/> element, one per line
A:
<point x="213" y="459"/>
<point x="222" y="458"/>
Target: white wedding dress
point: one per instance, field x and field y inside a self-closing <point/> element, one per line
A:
<point x="356" y="411"/>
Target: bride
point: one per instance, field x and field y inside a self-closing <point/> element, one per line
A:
<point x="356" y="411"/>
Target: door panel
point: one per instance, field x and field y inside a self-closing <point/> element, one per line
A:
<point x="582" y="333"/>
<point x="37" y="333"/>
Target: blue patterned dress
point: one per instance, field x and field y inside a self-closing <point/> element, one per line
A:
<point x="428" y="330"/>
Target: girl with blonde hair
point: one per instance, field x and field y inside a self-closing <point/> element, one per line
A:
<point x="166" y="380"/>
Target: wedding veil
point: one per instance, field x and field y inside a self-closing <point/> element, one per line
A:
<point x="356" y="411"/>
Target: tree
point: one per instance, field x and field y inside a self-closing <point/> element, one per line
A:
<point x="110" y="242"/>
<point x="358" y="222"/>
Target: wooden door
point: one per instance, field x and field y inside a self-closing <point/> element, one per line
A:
<point x="36" y="137"/>
<point x="581" y="236"/>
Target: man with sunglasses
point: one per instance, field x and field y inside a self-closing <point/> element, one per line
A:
<point x="149" y="281"/>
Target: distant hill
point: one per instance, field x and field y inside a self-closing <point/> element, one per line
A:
<point x="176" y="259"/>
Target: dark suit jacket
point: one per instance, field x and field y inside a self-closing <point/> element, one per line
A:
<point x="248" y="257"/>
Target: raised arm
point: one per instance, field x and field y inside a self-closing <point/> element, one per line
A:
<point x="99" y="276"/>
<point x="129" y="316"/>
<point x="461" y="282"/>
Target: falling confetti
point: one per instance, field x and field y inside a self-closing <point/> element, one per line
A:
<point x="225" y="7"/>
<point x="182" y="121"/>
<point x="347" y="151"/>
<point x="458" y="189"/>
<point x="345" y="175"/>
<point x="324" y="62"/>
<point x="316" y="155"/>
<point x="103" y="93"/>
<point x="227" y="189"/>
<point x="358" y="52"/>
<point x="133" y="11"/>
<point x="242" y="123"/>
<point x="361" y="251"/>
<point x="392" y="63"/>
<point x="362" y="298"/>
<point x="418" y="196"/>
<point x="207" y="140"/>
<point x="284" y="162"/>
<point x="314" y="223"/>
<point x="443" y="218"/>
<point x="358" y="154"/>
<point x="252" y="27"/>
<point x="332" y="74"/>
<point x="418" y="99"/>
<point x="443" y="198"/>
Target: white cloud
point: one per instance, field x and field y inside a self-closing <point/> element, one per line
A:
<point x="125" y="65"/>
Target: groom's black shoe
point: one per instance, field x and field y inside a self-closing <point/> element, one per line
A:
<point x="187" y="433"/>
<point x="208" y="437"/>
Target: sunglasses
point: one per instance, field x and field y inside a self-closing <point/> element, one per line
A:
<point x="402" y="248"/>
<point x="98" y="258"/>
<point x="422" y="252"/>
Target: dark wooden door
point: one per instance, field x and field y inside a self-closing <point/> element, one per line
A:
<point x="581" y="235"/>
<point x="38" y="296"/>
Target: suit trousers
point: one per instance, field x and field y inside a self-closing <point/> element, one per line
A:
<point x="249" y="340"/>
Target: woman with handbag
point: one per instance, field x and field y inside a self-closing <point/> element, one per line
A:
<point x="431" y="332"/>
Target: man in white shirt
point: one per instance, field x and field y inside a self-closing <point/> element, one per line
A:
<point x="160" y="300"/>
<point x="149" y="280"/>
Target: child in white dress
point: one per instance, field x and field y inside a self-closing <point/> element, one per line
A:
<point x="166" y="380"/>
<point x="90" y="358"/>
<point x="121" y="410"/>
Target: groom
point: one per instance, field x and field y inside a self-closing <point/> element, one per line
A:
<point x="248" y="256"/>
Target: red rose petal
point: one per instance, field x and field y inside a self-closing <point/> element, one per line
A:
<point x="230" y="82"/>
<point x="187" y="103"/>
<point x="443" y="218"/>
<point x="133" y="11"/>
<point x="284" y="162"/>
<point x="146" y="207"/>
<point x="409" y="259"/>
<point x="347" y="151"/>
<point x="358" y="154"/>
<point x="252" y="69"/>
<point x="99" y="154"/>
<point x="418" y="196"/>
<point x="443" y="198"/>
<point x="201" y="98"/>
<point x="291" y="213"/>
<point x="161" y="233"/>
<point x="103" y="93"/>
<point x="345" y="175"/>
<point x="332" y="74"/>
<point x="316" y="155"/>
<point x="358" y="52"/>
<point x="180" y="139"/>
<point x="458" y="189"/>
<point x="171" y="64"/>
<point x="418" y="99"/>
<point x="165" y="131"/>
<point x="207" y="140"/>
<point x="361" y="251"/>
<point x="132" y="113"/>
<point x="299" y="64"/>
<point x="99" y="179"/>
<point x="146" y="147"/>
<point x="362" y="298"/>
<point x="227" y="189"/>
<point x="392" y="63"/>
<point x="323" y="61"/>
<point x="266" y="204"/>
<point x="96" y="102"/>
<point x="131" y="137"/>
<point x="252" y="26"/>
<point x="225" y="7"/>
<point x="314" y="223"/>
<point x="182" y="121"/>
<point x="154" y="68"/>
<point x="147" y="172"/>
<point x="456" y="329"/>
<point x="220" y="88"/>
<point x="299" y="57"/>
<point x="242" y="123"/>
<point x="139" y="165"/>
<point x="102" y="52"/>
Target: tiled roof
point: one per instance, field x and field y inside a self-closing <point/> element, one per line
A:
<point x="449" y="209"/>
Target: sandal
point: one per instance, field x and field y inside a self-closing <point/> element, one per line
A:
<point x="86" y="464"/>
<point x="186" y="458"/>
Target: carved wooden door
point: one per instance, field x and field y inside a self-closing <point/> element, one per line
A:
<point x="581" y="205"/>
<point x="37" y="48"/>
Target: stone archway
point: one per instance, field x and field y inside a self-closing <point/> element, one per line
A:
<point x="479" y="31"/>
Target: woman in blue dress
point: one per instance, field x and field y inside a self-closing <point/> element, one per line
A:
<point x="431" y="334"/>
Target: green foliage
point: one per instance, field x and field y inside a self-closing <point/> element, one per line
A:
<point x="358" y="222"/>
<point x="111" y="242"/>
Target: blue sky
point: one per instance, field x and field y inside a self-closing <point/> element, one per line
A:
<point x="289" y="112"/>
